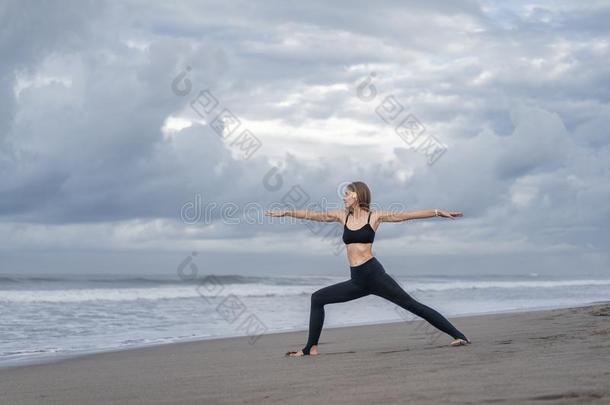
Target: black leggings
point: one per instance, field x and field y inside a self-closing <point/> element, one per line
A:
<point x="370" y="278"/>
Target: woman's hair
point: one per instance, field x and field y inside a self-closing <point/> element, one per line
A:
<point x="363" y="194"/>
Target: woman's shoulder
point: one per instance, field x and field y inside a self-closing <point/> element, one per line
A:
<point x="374" y="221"/>
<point x="341" y="214"/>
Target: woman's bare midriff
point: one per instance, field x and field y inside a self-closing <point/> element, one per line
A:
<point x="358" y="253"/>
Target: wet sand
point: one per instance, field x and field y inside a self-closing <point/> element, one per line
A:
<point x="539" y="357"/>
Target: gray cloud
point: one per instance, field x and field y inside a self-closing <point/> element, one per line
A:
<point x="519" y="94"/>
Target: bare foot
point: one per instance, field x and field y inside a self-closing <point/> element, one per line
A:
<point x="312" y="352"/>
<point x="460" y="342"/>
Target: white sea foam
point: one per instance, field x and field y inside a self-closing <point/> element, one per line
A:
<point x="210" y="290"/>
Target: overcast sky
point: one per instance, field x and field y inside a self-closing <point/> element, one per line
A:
<point x="110" y="160"/>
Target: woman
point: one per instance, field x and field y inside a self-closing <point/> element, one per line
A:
<point x="367" y="274"/>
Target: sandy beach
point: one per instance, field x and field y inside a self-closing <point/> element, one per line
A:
<point x="549" y="356"/>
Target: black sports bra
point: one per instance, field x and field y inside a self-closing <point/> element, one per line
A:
<point x="366" y="234"/>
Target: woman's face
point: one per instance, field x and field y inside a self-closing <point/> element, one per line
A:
<point x="349" y="198"/>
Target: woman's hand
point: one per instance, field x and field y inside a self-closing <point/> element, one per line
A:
<point x="449" y="214"/>
<point x="280" y="213"/>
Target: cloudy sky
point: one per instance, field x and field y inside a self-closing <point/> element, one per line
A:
<point x="112" y="158"/>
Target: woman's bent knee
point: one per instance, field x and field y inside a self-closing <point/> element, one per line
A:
<point x="317" y="298"/>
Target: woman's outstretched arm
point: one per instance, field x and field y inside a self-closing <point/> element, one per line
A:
<point x="322" y="216"/>
<point x="385" y="216"/>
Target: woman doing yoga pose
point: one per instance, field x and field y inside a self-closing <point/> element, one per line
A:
<point x="367" y="274"/>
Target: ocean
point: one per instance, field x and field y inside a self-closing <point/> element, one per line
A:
<point x="44" y="318"/>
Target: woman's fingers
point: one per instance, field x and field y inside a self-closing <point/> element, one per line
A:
<point x="454" y="214"/>
<point x="451" y="215"/>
